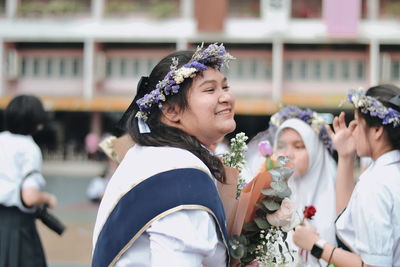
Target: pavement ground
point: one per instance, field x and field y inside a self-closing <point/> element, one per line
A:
<point x="68" y="181"/>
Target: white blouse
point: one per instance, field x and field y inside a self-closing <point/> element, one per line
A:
<point x="19" y="156"/>
<point x="370" y="225"/>
<point x="184" y="238"/>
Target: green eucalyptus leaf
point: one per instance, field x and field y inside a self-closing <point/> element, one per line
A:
<point x="271" y="204"/>
<point x="285" y="172"/>
<point x="286" y="193"/>
<point x="269" y="192"/>
<point x="276" y="176"/>
<point x="242" y="239"/>
<point x="282" y="160"/>
<point x="261" y="222"/>
<point x="238" y="252"/>
<point x="279" y="186"/>
<point x="250" y="226"/>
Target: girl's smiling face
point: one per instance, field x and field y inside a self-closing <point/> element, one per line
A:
<point x="210" y="111"/>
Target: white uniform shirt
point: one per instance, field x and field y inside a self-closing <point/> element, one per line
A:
<point x="184" y="238"/>
<point x="19" y="156"/>
<point x="370" y="225"/>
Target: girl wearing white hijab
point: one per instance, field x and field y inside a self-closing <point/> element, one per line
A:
<point x="313" y="184"/>
<point x="297" y="135"/>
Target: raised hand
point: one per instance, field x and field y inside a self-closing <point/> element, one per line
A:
<point x="342" y="137"/>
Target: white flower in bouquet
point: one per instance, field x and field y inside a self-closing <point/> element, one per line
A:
<point x="235" y="157"/>
<point x="285" y="217"/>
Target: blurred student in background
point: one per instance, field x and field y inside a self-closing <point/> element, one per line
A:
<point x="21" y="184"/>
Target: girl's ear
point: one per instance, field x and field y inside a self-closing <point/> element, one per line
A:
<point x="378" y="132"/>
<point x="171" y="113"/>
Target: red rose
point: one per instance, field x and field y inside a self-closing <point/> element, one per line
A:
<point x="309" y="212"/>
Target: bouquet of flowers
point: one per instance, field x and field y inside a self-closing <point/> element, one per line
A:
<point x="230" y="191"/>
<point x="269" y="215"/>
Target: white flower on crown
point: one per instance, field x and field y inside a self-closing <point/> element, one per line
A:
<point x="317" y="122"/>
<point x="182" y="73"/>
<point x="275" y="121"/>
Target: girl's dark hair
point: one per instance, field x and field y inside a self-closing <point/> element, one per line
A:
<point x="161" y="134"/>
<point x="24" y="114"/>
<point x="384" y="93"/>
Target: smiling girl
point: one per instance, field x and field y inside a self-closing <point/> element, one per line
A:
<point x="161" y="207"/>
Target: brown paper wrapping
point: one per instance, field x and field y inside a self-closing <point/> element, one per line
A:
<point x="242" y="210"/>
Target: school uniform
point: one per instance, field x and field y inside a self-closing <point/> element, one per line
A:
<point x="160" y="208"/>
<point x="20" y="167"/>
<point x="370" y="225"/>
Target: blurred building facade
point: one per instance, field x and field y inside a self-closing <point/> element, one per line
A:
<point x="88" y="55"/>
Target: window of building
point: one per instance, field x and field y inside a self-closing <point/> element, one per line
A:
<point x="345" y="70"/>
<point x="268" y="69"/>
<point x="36" y="67"/>
<point x="135" y="67"/>
<point x="389" y="9"/>
<point x="122" y="67"/>
<point x="244" y="9"/>
<point x="23" y="67"/>
<point x="364" y="9"/>
<point x="288" y="69"/>
<point x="360" y="70"/>
<point x="76" y="67"/>
<point x="317" y="70"/>
<point x="331" y="70"/>
<point x="61" y="67"/>
<point x="2" y="6"/>
<point x="49" y="67"/>
<point x="143" y="8"/>
<point x="150" y="65"/>
<point x="303" y="71"/>
<point x="239" y="69"/>
<point x="254" y="67"/>
<point x="108" y="68"/>
<point x="53" y="8"/>
<point x="307" y="9"/>
<point x="395" y="70"/>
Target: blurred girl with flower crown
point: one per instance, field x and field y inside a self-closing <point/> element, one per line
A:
<point x="161" y="207"/>
<point x="368" y="226"/>
<point x="299" y="134"/>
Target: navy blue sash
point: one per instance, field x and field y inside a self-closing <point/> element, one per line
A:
<point x="150" y="198"/>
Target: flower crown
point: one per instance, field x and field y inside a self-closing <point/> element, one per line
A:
<point x="375" y="108"/>
<point x="214" y="55"/>
<point x="310" y="117"/>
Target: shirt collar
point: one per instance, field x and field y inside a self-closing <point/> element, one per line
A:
<point x="388" y="158"/>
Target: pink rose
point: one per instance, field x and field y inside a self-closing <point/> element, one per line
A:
<point x="265" y="148"/>
<point x="285" y="216"/>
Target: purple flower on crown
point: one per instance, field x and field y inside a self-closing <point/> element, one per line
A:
<point x="372" y="106"/>
<point x="308" y="116"/>
<point x="214" y="55"/>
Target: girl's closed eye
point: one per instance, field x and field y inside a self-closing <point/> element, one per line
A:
<point x="226" y="87"/>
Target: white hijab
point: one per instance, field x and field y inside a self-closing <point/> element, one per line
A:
<point x="317" y="186"/>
